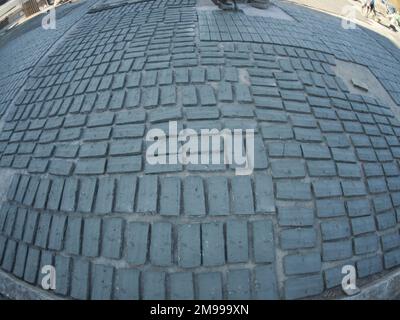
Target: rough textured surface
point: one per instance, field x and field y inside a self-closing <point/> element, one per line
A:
<point x="325" y="190"/>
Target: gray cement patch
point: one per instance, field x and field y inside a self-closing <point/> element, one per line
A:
<point x="360" y="80"/>
<point x="271" y="12"/>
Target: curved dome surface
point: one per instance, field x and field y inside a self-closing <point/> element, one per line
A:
<point x="324" y="192"/>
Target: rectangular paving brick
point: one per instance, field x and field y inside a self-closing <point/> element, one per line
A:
<point x="315" y="151"/>
<point x="392" y="259"/>
<point x="206" y="94"/>
<point x="104" y="196"/>
<point x="335" y="229"/>
<point x="132" y="98"/>
<point x="295" y="216"/>
<point x="76" y="120"/>
<point x="91" y="237"/>
<point x="237" y="241"/>
<point x="302" y="263"/>
<point x="123" y="147"/>
<point x="32" y="266"/>
<point x="213" y="244"/>
<point x="10" y="220"/>
<point x="12" y="190"/>
<point x="112" y="238"/>
<point x="124" y="164"/>
<point x="30" y="226"/>
<point x="362" y="225"/>
<point x="263" y="241"/>
<point x="55" y="193"/>
<point x="66" y="151"/>
<point x="73" y="235"/>
<point x="60" y="167"/>
<point x="165" y="114"/>
<point x="301" y="287"/>
<point x="97" y="133"/>
<point x="102" y="282"/>
<point x="20" y="258"/>
<point x="150" y="97"/>
<point x="9" y="255"/>
<point x="125" y="193"/>
<point x="225" y="92"/>
<point x="153" y="285"/>
<point x="19" y="223"/>
<point x="117" y="100"/>
<point x="31" y="191"/>
<point x="168" y="95"/>
<point x="43" y="229"/>
<point x="369" y="266"/>
<point x="161" y="244"/>
<point x="358" y="207"/>
<point x="22" y="187"/>
<point x="100" y="119"/>
<point x="293" y="190"/>
<point x="260" y="160"/>
<point x="3" y="215"/>
<point x="218" y="195"/>
<point x="264" y="193"/>
<point x="80" y="279"/>
<point x="298" y="238"/>
<point x="349" y="170"/>
<point x="69" y="195"/>
<point x="390" y="241"/>
<point x="128" y="131"/>
<point x="86" y="194"/>
<point x="382" y="203"/>
<point x="130" y="116"/>
<point x="386" y="220"/>
<point x="336" y="250"/>
<point x="265" y="286"/>
<point x="3" y="241"/>
<point x="242" y="195"/>
<point x="193" y="196"/>
<point x="147" y="194"/>
<point x="353" y="188"/>
<point x="209" y="286"/>
<point x="189" y="252"/>
<point x="170" y="196"/>
<point x="126" y="285"/>
<point x="68" y="134"/>
<point x="136" y="242"/>
<point x="276" y="131"/>
<point x="238" y="284"/>
<point x="243" y="93"/>
<point x="38" y="166"/>
<point x="181" y="286"/>
<point x="288" y="168"/>
<point x="307" y="135"/>
<point x="327" y="188"/>
<point x="189" y="96"/>
<point x="56" y="236"/>
<point x="366" y="244"/>
<point x="94" y="149"/>
<point x="92" y="166"/>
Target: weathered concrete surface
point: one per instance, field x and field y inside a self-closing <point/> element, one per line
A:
<point x="325" y="191"/>
<point x="387" y="288"/>
<point x="14" y="289"/>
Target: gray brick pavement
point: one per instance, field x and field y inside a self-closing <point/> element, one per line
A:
<point x="324" y="192"/>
